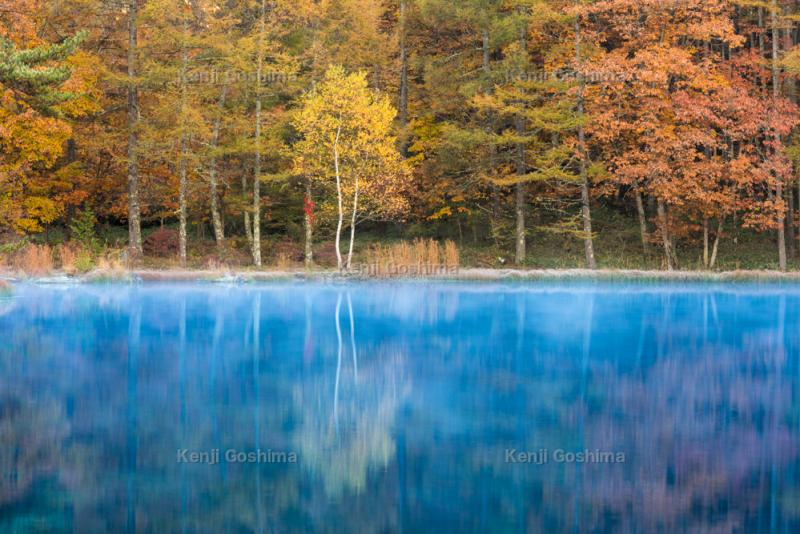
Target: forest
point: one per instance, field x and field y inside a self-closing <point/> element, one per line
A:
<point x="647" y="134"/>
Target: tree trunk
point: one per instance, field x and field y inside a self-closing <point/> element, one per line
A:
<point x="705" y="244"/>
<point x="642" y="220"/>
<point x="182" y="200"/>
<point x="216" y="219"/>
<point x="775" y="94"/>
<point x="402" y="111"/>
<point x="134" y="217"/>
<point x="713" y="262"/>
<point x="791" y="92"/>
<point x="790" y="230"/>
<point x="182" y="165"/>
<point x="588" y="239"/>
<point x="247" y="226"/>
<point x="340" y="222"/>
<point x="256" y="241"/>
<point x="353" y="228"/>
<point x="665" y="238"/>
<point x="490" y="126"/>
<point x="257" y="166"/>
<point x="309" y="227"/>
<point x="521" y="252"/>
<point x="762" y="44"/>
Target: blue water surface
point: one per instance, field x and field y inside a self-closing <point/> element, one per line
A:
<point x="400" y="406"/>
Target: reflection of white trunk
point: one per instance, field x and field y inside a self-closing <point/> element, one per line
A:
<point x="353" y="338"/>
<point x="182" y="398"/>
<point x="640" y="345"/>
<point x="520" y="325"/>
<point x="257" y="389"/>
<point x="338" y="363"/>
<point x="307" y="340"/>
<point x="587" y="333"/>
<point x="353" y="227"/>
<point x="339" y="198"/>
<point x="219" y="326"/>
<point x="132" y="430"/>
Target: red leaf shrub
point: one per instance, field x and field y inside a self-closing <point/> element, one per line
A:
<point x="162" y="243"/>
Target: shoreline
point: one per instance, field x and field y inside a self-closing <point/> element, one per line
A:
<point x="464" y="275"/>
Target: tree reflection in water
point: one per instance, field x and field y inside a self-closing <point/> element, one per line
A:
<point x="400" y="413"/>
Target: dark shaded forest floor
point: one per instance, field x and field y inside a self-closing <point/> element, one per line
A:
<point x="617" y="247"/>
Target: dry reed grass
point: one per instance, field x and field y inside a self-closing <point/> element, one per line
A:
<point x="111" y="264"/>
<point x="35" y="260"/>
<point x="419" y="258"/>
<point x="284" y="261"/>
<point x="452" y="256"/>
<point x="68" y="256"/>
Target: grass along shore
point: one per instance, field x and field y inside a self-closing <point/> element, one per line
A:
<point x="7" y="277"/>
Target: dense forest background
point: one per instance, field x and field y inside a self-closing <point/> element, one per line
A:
<point x="546" y="133"/>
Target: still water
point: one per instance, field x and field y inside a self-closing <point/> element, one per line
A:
<point x="408" y="406"/>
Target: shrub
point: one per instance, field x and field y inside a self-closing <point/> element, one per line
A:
<point x="232" y="255"/>
<point x="84" y="262"/>
<point x="325" y="254"/>
<point x="288" y="254"/>
<point x="162" y="243"/>
<point x="83" y="230"/>
<point x="11" y="249"/>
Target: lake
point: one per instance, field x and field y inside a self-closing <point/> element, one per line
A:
<point x="400" y="406"/>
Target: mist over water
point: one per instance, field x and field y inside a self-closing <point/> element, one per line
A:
<point x="400" y="406"/>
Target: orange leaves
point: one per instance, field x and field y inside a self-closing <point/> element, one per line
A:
<point x="37" y="81"/>
<point x="689" y="126"/>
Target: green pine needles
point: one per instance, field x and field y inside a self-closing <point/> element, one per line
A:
<point x="36" y="74"/>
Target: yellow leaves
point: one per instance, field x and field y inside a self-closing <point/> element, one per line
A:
<point x="31" y="144"/>
<point x="85" y="84"/>
<point x="38" y="211"/>
<point x="791" y="61"/>
<point x="28" y="139"/>
<point x="443" y="213"/>
<point x="343" y="121"/>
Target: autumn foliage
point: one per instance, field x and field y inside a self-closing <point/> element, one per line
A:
<point x="254" y="122"/>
